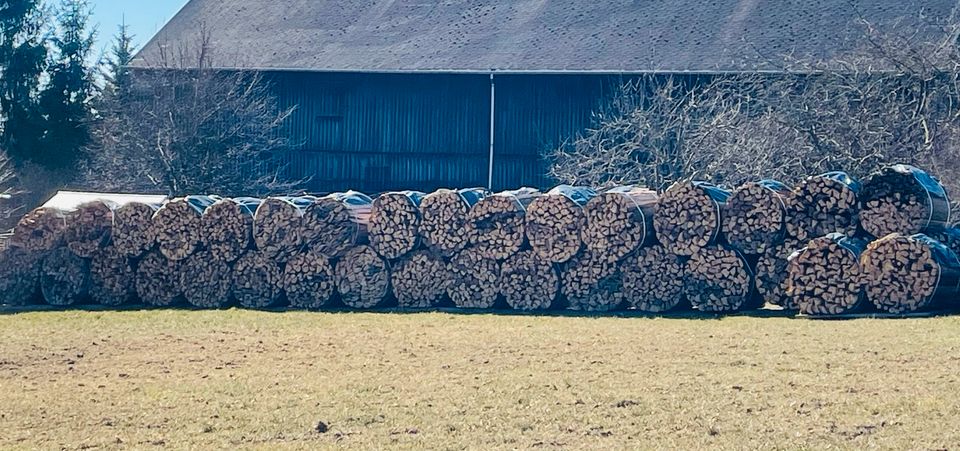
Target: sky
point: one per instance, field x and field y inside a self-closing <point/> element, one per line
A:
<point x="144" y="17"/>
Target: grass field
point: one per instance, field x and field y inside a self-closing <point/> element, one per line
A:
<point x="226" y="379"/>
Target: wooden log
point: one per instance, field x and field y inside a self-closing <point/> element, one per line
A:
<point x="206" y="280"/>
<point x="755" y="218"/>
<point x="420" y="280"/>
<point x="89" y="227"/>
<point x="19" y="276"/>
<point x="158" y="281"/>
<point x="825" y="277"/>
<point x="133" y="230"/>
<point x="308" y="280"/>
<point x="620" y="221"/>
<point x="334" y="224"/>
<point x="653" y="280"/>
<point x="278" y="226"/>
<point x="362" y="278"/>
<point x="475" y="280"/>
<point x="112" y="277"/>
<point x="178" y="226"/>
<point x="822" y="205"/>
<point x="719" y="279"/>
<point x="257" y="281"/>
<point x="445" y="215"/>
<point x="689" y="217"/>
<point x="527" y="282"/>
<point x="41" y="230"/>
<point x="903" y="199"/>
<point x="771" y="280"/>
<point x="227" y="228"/>
<point x="64" y="278"/>
<point x="395" y="223"/>
<point x="496" y="225"/>
<point x="906" y="274"/>
<point x="555" y="222"/>
<point x="591" y="284"/>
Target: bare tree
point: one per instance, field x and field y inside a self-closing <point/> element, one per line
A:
<point x="184" y="127"/>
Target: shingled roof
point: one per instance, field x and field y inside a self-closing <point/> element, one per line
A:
<point x="527" y="35"/>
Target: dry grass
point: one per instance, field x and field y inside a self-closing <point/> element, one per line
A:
<point x="264" y="380"/>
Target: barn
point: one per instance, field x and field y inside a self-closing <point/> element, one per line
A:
<point x="393" y="94"/>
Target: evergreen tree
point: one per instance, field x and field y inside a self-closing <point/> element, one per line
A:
<point x="23" y="60"/>
<point x="117" y="74"/>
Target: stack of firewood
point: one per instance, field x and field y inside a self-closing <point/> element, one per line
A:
<point x="825" y="277"/>
<point x="905" y="274"/>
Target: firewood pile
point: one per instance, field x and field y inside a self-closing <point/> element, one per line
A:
<point x="825" y="247"/>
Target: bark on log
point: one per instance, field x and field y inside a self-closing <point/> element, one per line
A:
<point x="111" y="277"/>
<point x="362" y="278"/>
<point x="620" y="221"/>
<point x="905" y="274"/>
<point x="772" y="274"/>
<point x="133" y="230"/>
<point x="420" y="280"/>
<point x="591" y="284"/>
<point x="227" y="230"/>
<point x="475" y="280"/>
<point x="334" y="224"/>
<point x="64" y="278"/>
<point x="395" y="223"/>
<point x="178" y="226"/>
<point x="158" y="280"/>
<point x="19" y="276"/>
<point x="555" y="222"/>
<point x="755" y="219"/>
<point x="496" y="225"/>
<point x="89" y="227"/>
<point x="527" y="282"/>
<point x="257" y="280"/>
<point x="41" y="230"/>
<point x="690" y="216"/>
<point x="719" y="279"/>
<point x="445" y="216"/>
<point x="903" y="199"/>
<point x="822" y="205"/>
<point x="653" y="280"/>
<point x="825" y="278"/>
<point x="206" y="281"/>
<point x="308" y="280"/>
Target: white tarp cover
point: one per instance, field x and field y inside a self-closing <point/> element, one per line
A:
<point x="70" y="200"/>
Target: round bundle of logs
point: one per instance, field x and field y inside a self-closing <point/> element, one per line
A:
<point x="111" y="277"/>
<point x="591" y="284"/>
<point x="689" y="216"/>
<point x="556" y="220"/>
<point x="133" y="230"/>
<point x="89" y="227"/>
<point x="620" y="221"/>
<point x="308" y="280"/>
<point x="653" y="280"/>
<point x="903" y="199"/>
<point x="719" y="279"/>
<point x="772" y="274"/>
<point x="755" y="218"/>
<point x="362" y="278"/>
<point x="40" y="230"/>
<point x="475" y="280"/>
<point x="823" y="204"/>
<point x="227" y="229"/>
<point x="420" y="280"/>
<point x="19" y="276"/>
<point x="278" y="226"/>
<point x="257" y="281"/>
<point x="395" y="223"/>
<point x="178" y="226"/>
<point x="905" y="274"/>
<point x="825" y="277"/>
<point x="334" y="224"/>
<point x="206" y="280"/>
<point x="445" y="212"/>
<point x="158" y="281"/>
<point x="64" y="277"/>
<point x="527" y="282"/>
<point x="496" y="223"/>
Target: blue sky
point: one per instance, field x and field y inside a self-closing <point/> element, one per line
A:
<point x="145" y="17"/>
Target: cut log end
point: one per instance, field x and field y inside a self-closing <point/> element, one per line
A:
<point x="420" y="280"/>
<point x="755" y="218"/>
<point x="256" y="281"/>
<point x="718" y="280"/>
<point x="653" y="280"/>
<point x="689" y="217"/>
<point x="362" y="278"/>
<point x="619" y="222"/>
<point x="476" y="280"/>
<point x="825" y="277"/>
<point x="308" y="281"/>
<point x="528" y="282"/>
<point x="395" y="224"/>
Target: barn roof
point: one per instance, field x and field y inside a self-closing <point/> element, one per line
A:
<point x="527" y="35"/>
